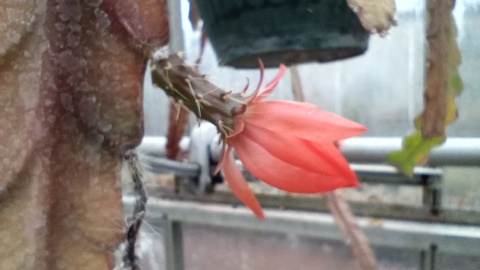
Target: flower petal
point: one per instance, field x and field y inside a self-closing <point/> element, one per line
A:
<point x="335" y="158"/>
<point x="280" y="145"/>
<point x="318" y="157"/>
<point x="223" y="157"/>
<point x="282" y="175"/>
<point x="262" y="93"/>
<point x="239" y="185"/>
<point x="261" y="67"/>
<point x="302" y="120"/>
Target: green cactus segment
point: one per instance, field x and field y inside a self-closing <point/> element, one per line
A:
<point x="415" y="151"/>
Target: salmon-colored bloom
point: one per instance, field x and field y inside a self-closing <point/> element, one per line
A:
<point x="288" y="145"/>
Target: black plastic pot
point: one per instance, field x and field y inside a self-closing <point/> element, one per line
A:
<point x="282" y="31"/>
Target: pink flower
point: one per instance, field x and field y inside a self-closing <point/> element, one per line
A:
<point x="288" y="145"/>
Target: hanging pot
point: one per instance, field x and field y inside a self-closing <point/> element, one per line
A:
<point x="282" y="31"/>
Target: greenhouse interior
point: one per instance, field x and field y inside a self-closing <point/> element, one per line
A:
<point x="240" y="134"/>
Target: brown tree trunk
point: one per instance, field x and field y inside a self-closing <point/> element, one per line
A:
<point x="71" y="75"/>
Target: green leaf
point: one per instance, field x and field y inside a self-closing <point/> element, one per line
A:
<point x="415" y="150"/>
<point x="455" y="83"/>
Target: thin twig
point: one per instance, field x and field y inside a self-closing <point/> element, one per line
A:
<point x="339" y="207"/>
<point x="347" y="223"/>
<point x="201" y="52"/>
<point x="296" y="84"/>
<point x="130" y="259"/>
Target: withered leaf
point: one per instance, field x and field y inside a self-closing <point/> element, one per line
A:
<point x="377" y="16"/>
<point x="443" y="86"/>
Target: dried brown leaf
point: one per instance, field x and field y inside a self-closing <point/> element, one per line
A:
<point x="433" y="116"/>
<point x="443" y="80"/>
<point x="377" y="16"/>
<point x="443" y="86"/>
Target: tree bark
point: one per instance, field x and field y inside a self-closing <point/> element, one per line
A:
<point x="71" y="75"/>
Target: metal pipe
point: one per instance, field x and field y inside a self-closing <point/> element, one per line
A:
<point x="385" y="174"/>
<point x="163" y="165"/>
<point x="156" y="145"/>
<point x="373" y="174"/>
<point x="454" y="152"/>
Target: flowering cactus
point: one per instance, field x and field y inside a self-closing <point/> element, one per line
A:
<point x="286" y="144"/>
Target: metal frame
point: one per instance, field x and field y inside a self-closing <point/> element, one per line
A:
<point x="427" y="238"/>
<point x="204" y="149"/>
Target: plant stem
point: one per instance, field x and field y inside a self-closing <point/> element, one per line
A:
<point x="192" y="90"/>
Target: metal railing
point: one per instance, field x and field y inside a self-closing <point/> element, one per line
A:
<point x="421" y="228"/>
<point x="454" y="152"/>
<point x="417" y="236"/>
